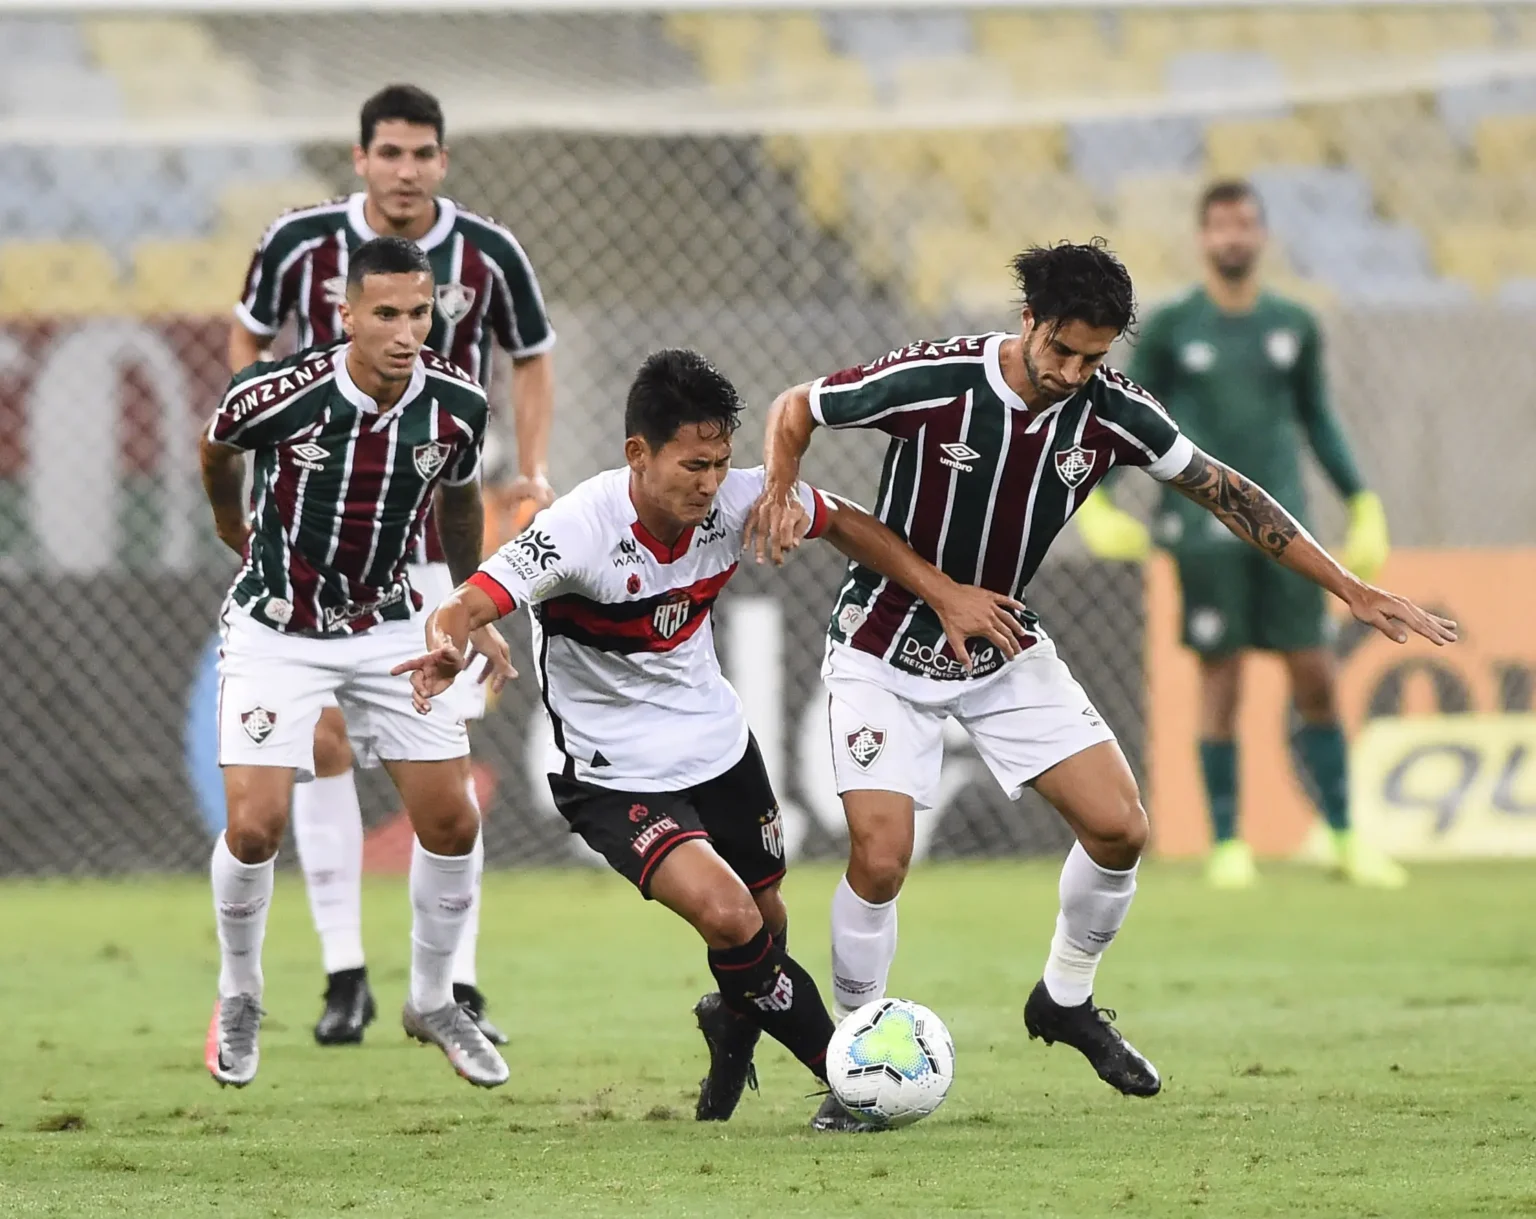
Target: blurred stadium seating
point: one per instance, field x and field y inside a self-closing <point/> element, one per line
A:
<point x="1369" y="195"/>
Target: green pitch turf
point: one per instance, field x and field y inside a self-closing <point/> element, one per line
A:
<point x="1325" y="1052"/>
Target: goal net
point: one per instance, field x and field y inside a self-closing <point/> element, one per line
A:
<point x="790" y="190"/>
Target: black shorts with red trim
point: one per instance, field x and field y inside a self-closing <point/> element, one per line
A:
<point x="635" y="831"/>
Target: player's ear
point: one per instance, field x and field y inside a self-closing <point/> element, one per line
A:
<point x="635" y="453"/>
<point x="344" y="311"/>
<point x="359" y="159"/>
<point x="1026" y="321"/>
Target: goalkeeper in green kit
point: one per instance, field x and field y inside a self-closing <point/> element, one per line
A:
<point x="1241" y="371"/>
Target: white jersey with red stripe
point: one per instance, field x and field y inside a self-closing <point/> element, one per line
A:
<point x="622" y="629"/>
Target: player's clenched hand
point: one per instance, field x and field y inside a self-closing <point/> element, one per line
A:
<point x="1395" y="616"/>
<point x="967" y="612"/>
<point x="498" y="670"/>
<point x="432" y="674"/>
<point x="776" y="524"/>
<point x="531" y="486"/>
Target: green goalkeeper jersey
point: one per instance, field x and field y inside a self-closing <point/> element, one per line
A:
<point x="1246" y="388"/>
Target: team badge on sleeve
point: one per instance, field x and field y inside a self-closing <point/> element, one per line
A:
<point x="1075" y="464"/>
<point x="258" y="723"/>
<point x="430" y="457"/>
<point x="865" y="745"/>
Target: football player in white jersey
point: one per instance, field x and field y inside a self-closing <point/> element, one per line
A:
<point x="661" y="773"/>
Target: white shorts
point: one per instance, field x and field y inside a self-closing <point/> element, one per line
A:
<point x="272" y="688"/>
<point x="1023" y="719"/>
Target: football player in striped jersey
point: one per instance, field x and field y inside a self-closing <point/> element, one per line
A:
<point x="352" y="444"/>
<point x="485" y="296"/>
<point x="996" y="440"/>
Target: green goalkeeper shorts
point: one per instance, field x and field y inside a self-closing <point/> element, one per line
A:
<point x="1236" y="599"/>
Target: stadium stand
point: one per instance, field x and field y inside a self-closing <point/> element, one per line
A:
<point x="1427" y="194"/>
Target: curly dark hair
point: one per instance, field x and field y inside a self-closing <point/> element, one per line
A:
<point x="1069" y="282"/>
<point x="676" y="387"/>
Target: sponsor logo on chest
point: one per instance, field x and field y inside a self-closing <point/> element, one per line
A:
<point x="340" y="615"/>
<point x="713" y="528"/>
<point x="669" y="617"/>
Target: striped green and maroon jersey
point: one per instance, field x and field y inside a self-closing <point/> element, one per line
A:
<point x="341" y="488"/>
<point x="975" y="481"/>
<point x="486" y="289"/>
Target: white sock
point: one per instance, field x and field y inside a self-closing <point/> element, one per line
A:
<point x="442" y="889"/>
<point x="863" y="947"/>
<point x="464" y="959"/>
<point x="328" y="828"/>
<point x="1094" y="902"/>
<point x="242" y="894"/>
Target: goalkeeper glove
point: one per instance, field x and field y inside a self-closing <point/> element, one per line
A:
<point x="1110" y="532"/>
<point x="1366" y="545"/>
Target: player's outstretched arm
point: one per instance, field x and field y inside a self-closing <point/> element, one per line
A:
<point x="461" y="530"/>
<point x="772" y="523"/>
<point x="1252" y="514"/>
<point x="467" y="612"/>
<point x="965" y="611"/>
<point x="224" y="484"/>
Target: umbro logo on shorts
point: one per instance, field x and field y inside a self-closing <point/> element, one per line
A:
<point x="258" y="723"/>
<point x="865" y="745"/>
<point x="958" y="456"/>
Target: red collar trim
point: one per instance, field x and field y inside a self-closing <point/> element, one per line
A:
<point x="663" y="552"/>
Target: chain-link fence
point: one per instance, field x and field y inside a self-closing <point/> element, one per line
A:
<point x="787" y="192"/>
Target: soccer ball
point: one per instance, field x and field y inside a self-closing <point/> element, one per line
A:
<point x="892" y="1062"/>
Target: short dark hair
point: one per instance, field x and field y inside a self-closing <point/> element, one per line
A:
<point x="676" y="387"/>
<point x="404" y="103"/>
<point x="386" y="256"/>
<point x="1228" y="190"/>
<point x="1085" y="283"/>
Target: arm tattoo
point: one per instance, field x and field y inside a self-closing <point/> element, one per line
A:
<point x="1242" y="506"/>
<point x="461" y="528"/>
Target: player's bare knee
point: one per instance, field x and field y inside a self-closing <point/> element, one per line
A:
<point x="770" y="904"/>
<point x="452" y="835"/>
<point x="1116" y="841"/>
<point x="333" y="752"/>
<point x="728" y="919"/>
<point x="876" y="871"/>
<point x="253" y="839"/>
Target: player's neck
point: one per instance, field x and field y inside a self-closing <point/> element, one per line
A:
<point x="385" y="227"/>
<point x="662" y="526"/>
<point x="1233" y="295"/>
<point x="384" y="393"/>
<point x="1010" y="360"/>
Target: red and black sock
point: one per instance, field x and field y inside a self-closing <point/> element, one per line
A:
<point x="762" y="982"/>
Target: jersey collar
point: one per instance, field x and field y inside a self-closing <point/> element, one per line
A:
<point x="349" y="390"/>
<point x="447" y="213"/>
<point x="992" y="362"/>
<point x="659" y="549"/>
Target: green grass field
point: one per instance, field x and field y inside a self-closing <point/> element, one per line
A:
<point x="1325" y="1052"/>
